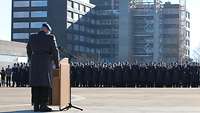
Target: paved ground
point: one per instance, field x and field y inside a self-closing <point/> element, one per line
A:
<point x="112" y="100"/>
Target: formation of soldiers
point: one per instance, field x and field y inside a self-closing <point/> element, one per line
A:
<point x="114" y="75"/>
<point x="134" y="75"/>
<point x="15" y="76"/>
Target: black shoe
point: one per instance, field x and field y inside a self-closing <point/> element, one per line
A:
<point x="36" y="108"/>
<point x="45" y="108"/>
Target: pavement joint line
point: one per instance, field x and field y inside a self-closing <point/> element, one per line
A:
<point x="74" y="98"/>
<point x="19" y="105"/>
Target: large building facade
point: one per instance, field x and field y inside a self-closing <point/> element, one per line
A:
<point x="159" y="32"/>
<point x="71" y="20"/>
<point x="108" y="30"/>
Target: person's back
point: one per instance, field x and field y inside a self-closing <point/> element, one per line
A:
<point x="42" y="48"/>
<point x="42" y="51"/>
<point x="41" y="42"/>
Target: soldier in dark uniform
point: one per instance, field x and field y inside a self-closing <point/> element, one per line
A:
<point x="95" y="75"/>
<point x="142" y="76"/>
<point x="26" y="75"/>
<point x="151" y="76"/>
<point x="135" y="75"/>
<point x="158" y="76"/>
<point x="185" y="79"/>
<point x="18" y="75"/>
<point x="101" y="76"/>
<point x="3" y="77"/>
<point x="167" y="79"/>
<point x="80" y="74"/>
<point x="117" y="73"/>
<point x="196" y="76"/>
<point x="8" y="76"/>
<point x="42" y="51"/>
<point x="73" y="74"/>
<point x="125" y="75"/>
<point x="110" y="75"/>
<point x="14" y="75"/>
<point x="23" y="75"/>
<point x="175" y="75"/>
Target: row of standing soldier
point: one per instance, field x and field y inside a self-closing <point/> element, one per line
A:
<point x="114" y="75"/>
<point x="132" y="75"/>
<point x="16" y="76"/>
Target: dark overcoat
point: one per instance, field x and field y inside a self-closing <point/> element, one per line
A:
<point x="42" y="52"/>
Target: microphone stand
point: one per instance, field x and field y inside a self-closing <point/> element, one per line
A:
<point x="70" y="104"/>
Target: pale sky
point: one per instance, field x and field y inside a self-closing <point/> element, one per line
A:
<point x="192" y="6"/>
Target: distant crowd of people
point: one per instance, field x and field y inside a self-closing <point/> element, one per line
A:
<point x="114" y="75"/>
<point x="15" y="76"/>
<point x="135" y="75"/>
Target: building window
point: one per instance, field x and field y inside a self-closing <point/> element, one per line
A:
<point x="70" y="3"/>
<point x="76" y="6"/>
<point x="21" y="25"/>
<point x="21" y="14"/>
<point x="21" y="4"/>
<point x="70" y="14"/>
<point x="39" y="3"/>
<point x="76" y="37"/>
<point x="87" y="9"/>
<point x="76" y="27"/>
<point x="69" y="36"/>
<point x="82" y="38"/>
<point x="69" y="25"/>
<point x="75" y="17"/>
<point x="37" y="24"/>
<point x="82" y="8"/>
<point x="76" y="48"/>
<point x="188" y="24"/>
<point x="188" y="15"/>
<point x="82" y="28"/>
<point x="188" y="33"/>
<point x="39" y="14"/>
<point x="20" y="36"/>
<point x="82" y="49"/>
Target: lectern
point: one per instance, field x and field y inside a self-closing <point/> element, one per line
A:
<point x="61" y="89"/>
<point x="61" y="85"/>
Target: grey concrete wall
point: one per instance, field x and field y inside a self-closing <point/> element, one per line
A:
<point x="10" y="52"/>
<point x="13" y="48"/>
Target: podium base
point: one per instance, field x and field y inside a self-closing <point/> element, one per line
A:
<point x="69" y="107"/>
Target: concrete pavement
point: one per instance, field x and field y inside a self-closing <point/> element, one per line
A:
<point x="111" y="100"/>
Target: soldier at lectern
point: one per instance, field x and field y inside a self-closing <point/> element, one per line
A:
<point x="42" y="54"/>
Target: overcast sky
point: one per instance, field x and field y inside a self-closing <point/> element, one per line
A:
<point x="192" y="6"/>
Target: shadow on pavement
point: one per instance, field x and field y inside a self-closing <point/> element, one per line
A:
<point x="27" y="111"/>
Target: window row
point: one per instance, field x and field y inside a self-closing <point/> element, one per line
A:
<point x="83" y="49"/>
<point x="33" y="14"/>
<point x="78" y="27"/>
<point x="22" y="25"/>
<point x="77" y="6"/>
<point x="80" y="38"/>
<point x="41" y="3"/>
<point x="20" y="35"/>
<point x="78" y="17"/>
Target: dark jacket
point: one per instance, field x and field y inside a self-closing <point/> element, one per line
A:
<point x="42" y="51"/>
